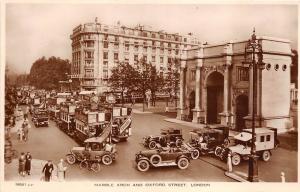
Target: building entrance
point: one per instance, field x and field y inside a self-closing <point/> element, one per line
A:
<point x="191" y="105"/>
<point x="241" y="111"/>
<point x="215" y="92"/>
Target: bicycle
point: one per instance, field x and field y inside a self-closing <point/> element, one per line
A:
<point x="90" y="165"/>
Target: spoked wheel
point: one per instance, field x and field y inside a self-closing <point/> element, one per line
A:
<point x="71" y="159"/>
<point x="143" y="165"/>
<point x="195" y="154"/>
<point x="236" y="159"/>
<point x="266" y="155"/>
<point x="152" y="145"/>
<point x="107" y="159"/>
<point x="84" y="164"/>
<point x="183" y="163"/>
<point x="218" y="151"/>
<point x="95" y="167"/>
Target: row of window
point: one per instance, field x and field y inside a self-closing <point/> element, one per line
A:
<point x="64" y="116"/>
<point x="148" y="34"/>
<point x="145" y="48"/>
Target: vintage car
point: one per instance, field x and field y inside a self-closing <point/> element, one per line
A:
<point x="206" y="140"/>
<point x="40" y="118"/>
<point x="168" y="136"/>
<point x="266" y="140"/>
<point x="98" y="149"/>
<point x="163" y="156"/>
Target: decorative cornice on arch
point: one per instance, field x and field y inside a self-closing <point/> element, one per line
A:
<point x="209" y="70"/>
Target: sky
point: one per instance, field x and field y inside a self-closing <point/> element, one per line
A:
<point x="36" y="30"/>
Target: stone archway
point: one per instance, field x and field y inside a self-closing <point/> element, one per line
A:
<point x="241" y="112"/>
<point x="214" y="97"/>
<point x="191" y="105"/>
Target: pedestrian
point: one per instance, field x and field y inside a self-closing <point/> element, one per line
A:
<point x="28" y="158"/>
<point x="22" y="160"/>
<point x="61" y="170"/>
<point x="25" y="130"/>
<point x="47" y="170"/>
<point x="26" y="112"/>
<point x="20" y="133"/>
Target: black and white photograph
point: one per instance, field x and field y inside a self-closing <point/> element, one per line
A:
<point x="155" y="95"/>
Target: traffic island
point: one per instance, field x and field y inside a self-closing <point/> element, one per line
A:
<point x="238" y="176"/>
<point x="11" y="171"/>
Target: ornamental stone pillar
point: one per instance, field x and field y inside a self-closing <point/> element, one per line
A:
<point x="198" y="105"/>
<point x="225" y="115"/>
<point x="182" y="96"/>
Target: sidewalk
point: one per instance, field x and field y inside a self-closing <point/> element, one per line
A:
<point x="11" y="171"/>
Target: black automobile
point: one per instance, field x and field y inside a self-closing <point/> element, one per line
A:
<point x="163" y="156"/>
<point x="170" y="136"/>
<point x="206" y="140"/>
<point x="40" y="118"/>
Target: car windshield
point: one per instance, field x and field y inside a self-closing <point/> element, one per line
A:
<point x="240" y="142"/>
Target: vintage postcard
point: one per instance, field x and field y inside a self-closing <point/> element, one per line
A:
<point x="149" y="96"/>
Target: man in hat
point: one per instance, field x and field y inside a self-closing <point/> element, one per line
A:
<point x="47" y="170"/>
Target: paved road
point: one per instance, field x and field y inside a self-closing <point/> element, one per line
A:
<point x="51" y="143"/>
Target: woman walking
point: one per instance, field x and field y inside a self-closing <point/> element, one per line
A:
<point x="22" y="160"/>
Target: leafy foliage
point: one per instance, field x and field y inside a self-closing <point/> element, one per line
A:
<point x="123" y="78"/>
<point x="171" y="83"/>
<point x="46" y="73"/>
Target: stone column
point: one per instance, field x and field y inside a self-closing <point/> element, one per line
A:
<point x="182" y="97"/>
<point x="198" y="105"/>
<point x="225" y="120"/>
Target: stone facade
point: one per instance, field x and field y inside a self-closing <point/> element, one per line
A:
<point x="216" y="85"/>
<point x="97" y="48"/>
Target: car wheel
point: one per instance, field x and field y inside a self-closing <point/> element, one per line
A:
<point x="218" y="151"/>
<point x="155" y="159"/>
<point x="83" y="164"/>
<point x="95" y="167"/>
<point x="107" y="160"/>
<point x="183" y="163"/>
<point x="266" y="155"/>
<point x="226" y="142"/>
<point x="71" y="159"/>
<point x="143" y="165"/>
<point x="235" y="159"/>
<point x="178" y="142"/>
<point x="152" y="145"/>
<point x="195" y="154"/>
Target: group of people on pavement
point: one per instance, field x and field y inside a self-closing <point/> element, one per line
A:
<point x="23" y="131"/>
<point x="47" y="171"/>
<point x="25" y="164"/>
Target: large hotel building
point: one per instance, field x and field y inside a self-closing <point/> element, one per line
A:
<point x="97" y="48"/>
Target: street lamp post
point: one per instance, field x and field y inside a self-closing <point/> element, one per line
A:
<point x="252" y="48"/>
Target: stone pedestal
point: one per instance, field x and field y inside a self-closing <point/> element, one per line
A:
<point x="226" y="118"/>
<point x="180" y="114"/>
<point x="198" y="116"/>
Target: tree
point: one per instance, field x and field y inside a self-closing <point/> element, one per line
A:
<point x="149" y="79"/>
<point x="172" y="80"/>
<point x="122" y="79"/>
<point x="156" y="83"/>
<point x="46" y="73"/>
